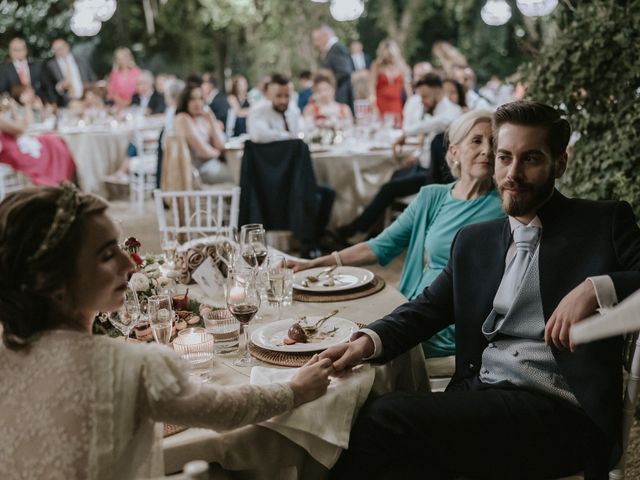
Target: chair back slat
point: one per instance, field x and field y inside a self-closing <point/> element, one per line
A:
<point x="193" y="213"/>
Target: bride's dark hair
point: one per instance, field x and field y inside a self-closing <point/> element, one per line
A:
<point x="40" y="235"/>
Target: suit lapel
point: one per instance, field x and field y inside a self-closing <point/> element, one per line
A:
<point x="554" y="251"/>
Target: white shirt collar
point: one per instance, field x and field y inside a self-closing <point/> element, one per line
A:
<point x="332" y="41"/>
<point x="513" y="223"/>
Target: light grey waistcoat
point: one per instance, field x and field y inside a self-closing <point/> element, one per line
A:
<point x="517" y="353"/>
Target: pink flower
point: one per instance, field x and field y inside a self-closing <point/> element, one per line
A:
<point x="136" y="258"/>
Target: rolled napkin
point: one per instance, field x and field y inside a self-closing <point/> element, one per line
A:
<point x="321" y="427"/>
<point x="623" y="318"/>
<point x="195" y="257"/>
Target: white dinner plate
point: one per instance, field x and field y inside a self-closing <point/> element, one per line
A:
<point x="271" y="336"/>
<point x="345" y="278"/>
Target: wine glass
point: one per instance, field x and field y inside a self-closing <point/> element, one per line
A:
<point x="128" y="315"/>
<point x="246" y="242"/>
<point x="276" y="274"/>
<point x="161" y="317"/>
<point x="169" y="247"/>
<point x="243" y="301"/>
<point x="255" y="248"/>
<point x="228" y="249"/>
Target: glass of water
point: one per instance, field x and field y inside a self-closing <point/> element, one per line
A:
<point x="128" y="315"/>
<point x="225" y="330"/>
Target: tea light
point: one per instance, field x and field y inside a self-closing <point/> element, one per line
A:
<point x="194" y="345"/>
<point x="236" y="294"/>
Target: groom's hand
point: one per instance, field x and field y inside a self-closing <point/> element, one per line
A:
<point x="578" y="304"/>
<point x="348" y="355"/>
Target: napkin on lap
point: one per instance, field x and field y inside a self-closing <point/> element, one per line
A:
<point x="321" y="427"/>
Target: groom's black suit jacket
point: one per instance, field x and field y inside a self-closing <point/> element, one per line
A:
<point x="580" y="238"/>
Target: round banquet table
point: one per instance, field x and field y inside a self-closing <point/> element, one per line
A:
<point x="260" y="453"/>
<point x="356" y="172"/>
<point x="96" y="153"/>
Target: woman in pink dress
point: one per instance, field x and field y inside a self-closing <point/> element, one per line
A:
<point x="45" y="158"/>
<point x="389" y="79"/>
<point x="121" y="84"/>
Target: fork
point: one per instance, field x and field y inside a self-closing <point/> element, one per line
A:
<point x="316" y="278"/>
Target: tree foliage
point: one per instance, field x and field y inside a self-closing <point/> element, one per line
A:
<point x="38" y="22"/>
<point x="592" y="72"/>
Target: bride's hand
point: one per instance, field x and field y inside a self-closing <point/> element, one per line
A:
<point x="311" y="381"/>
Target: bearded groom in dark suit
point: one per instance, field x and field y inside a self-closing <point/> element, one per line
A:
<point x="523" y="402"/>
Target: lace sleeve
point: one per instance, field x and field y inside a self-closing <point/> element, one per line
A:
<point x="171" y="397"/>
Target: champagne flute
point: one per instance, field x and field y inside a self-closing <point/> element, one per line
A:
<point x="243" y="301"/>
<point x="169" y="247"/>
<point x="161" y="317"/>
<point x="276" y="275"/>
<point x="128" y="315"/>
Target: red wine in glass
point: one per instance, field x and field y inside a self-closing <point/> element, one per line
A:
<point x="243" y="313"/>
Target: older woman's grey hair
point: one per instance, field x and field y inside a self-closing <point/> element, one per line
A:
<point x="459" y="129"/>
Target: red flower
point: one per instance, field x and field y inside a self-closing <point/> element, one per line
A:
<point x="132" y="244"/>
<point x="136" y="258"/>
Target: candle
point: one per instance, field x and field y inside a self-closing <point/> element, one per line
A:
<point x="236" y="294"/>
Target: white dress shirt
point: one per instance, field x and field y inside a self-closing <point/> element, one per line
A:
<point x="602" y="284"/>
<point x="76" y="79"/>
<point x="23" y="64"/>
<point x="359" y="62"/>
<point x="265" y="124"/>
<point x="432" y="124"/>
<point x="412" y="111"/>
<point x="476" y="102"/>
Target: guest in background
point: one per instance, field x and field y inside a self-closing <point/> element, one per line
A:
<point x="305" y="83"/>
<point x="415" y="173"/>
<point x="19" y="71"/>
<point x="146" y="97"/>
<point x="323" y="110"/>
<point x="276" y="119"/>
<point x="239" y="103"/>
<point x="413" y="110"/>
<point x="161" y="81"/>
<point x="172" y="91"/>
<point x="60" y="264"/>
<point x="122" y="82"/>
<point x="335" y="57"/>
<point x="260" y="93"/>
<point x="390" y="82"/>
<point x="215" y="98"/>
<point x="69" y="74"/>
<point x="359" y="59"/>
<point x="203" y="135"/>
<point x="428" y="225"/>
<point x="467" y="78"/>
<point x="455" y="92"/>
<point x="45" y="159"/>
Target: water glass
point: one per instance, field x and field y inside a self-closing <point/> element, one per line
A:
<point x="128" y="315"/>
<point x="225" y="330"/>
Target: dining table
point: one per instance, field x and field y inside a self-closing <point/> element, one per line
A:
<point x="264" y="453"/>
<point x="355" y="168"/>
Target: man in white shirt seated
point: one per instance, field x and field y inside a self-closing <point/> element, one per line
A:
<point x="438" y="114"/>
<point x="412" y="111"/>
<point x="277" y="119"/>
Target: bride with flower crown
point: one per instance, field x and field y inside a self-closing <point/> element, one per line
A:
<point x="77" y="406"/>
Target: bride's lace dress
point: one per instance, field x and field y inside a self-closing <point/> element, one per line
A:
<point x="76" y="406"/>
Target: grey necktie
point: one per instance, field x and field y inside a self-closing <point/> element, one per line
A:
<point x="526" y="240"/>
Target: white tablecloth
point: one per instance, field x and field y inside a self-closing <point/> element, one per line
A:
<point x="356" y="173"/>
<point x="97" y="154"/>
<point x="261" y="453"/>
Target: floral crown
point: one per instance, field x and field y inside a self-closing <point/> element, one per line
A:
<point x="67" y="208"/>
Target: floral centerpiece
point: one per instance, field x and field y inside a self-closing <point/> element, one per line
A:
<point x="147" y="280"/>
